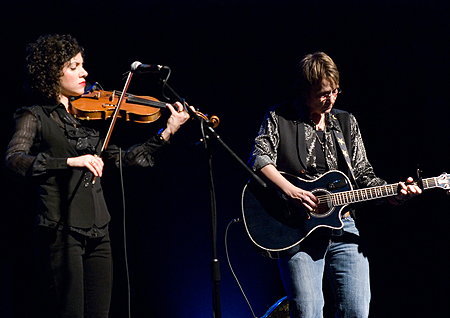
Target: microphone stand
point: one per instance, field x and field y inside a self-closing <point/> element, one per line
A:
<point x="207" y="132"/>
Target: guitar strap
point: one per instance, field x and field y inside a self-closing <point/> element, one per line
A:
<point x="340" y="139"/>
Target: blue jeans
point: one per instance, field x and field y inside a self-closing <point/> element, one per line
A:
<point x="344" y="262"/>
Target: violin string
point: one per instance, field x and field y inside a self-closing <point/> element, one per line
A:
<point x="143" y="101"/>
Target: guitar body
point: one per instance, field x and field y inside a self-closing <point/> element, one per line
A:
<point x="277" y="226"/>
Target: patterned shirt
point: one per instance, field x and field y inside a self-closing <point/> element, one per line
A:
<point x="266" y="144"/>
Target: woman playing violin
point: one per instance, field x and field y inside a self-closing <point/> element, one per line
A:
<point x="59" y="154"/>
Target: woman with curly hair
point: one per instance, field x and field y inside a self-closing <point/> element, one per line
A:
<point x="53" y="149"/>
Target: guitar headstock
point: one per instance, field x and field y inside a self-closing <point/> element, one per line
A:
<point x="443" y="181"/>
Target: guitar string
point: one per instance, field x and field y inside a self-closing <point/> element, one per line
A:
<point x="369" y="193"/>
<point x="323" y="146"/>
<point x="349" y="194"/>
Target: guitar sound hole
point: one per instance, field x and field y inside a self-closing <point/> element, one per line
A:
<point x="324" y="207"/>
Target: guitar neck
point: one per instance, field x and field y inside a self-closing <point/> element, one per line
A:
<point x="361" y="195"/>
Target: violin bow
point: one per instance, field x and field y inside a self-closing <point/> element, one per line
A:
<point x="115" y="115"/>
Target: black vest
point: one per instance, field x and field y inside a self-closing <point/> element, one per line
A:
<point x="67" y="196"/>
<point x="292" y="149"/>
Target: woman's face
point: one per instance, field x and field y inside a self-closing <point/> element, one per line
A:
<point x="322" y="97"/>
<point x="73" y="80"/>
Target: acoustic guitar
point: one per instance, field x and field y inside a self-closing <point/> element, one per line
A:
<point x="276" y="225"/>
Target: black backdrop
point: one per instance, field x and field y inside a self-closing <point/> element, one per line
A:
<point x="234" y="59"/>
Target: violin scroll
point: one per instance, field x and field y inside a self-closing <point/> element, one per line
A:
<point x="214" y="121"/>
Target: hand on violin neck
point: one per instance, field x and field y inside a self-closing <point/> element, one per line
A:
<point x="176" y="119"/>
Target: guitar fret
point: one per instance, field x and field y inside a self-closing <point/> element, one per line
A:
<point x="429" y="183"/>
<point x="390" y="190"/>
<point x="352" y="196"/>
<point x="347" y="197"/>
<point x="340" y="200"/>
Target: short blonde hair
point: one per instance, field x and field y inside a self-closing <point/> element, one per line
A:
<point x="314" y="68"/>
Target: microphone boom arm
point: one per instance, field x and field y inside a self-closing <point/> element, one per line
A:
<point x="211" y="132"/>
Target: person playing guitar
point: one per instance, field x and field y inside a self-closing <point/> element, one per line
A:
<point x="309" y="139"/>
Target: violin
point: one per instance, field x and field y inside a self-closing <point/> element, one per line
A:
<point x="100" y="105"/>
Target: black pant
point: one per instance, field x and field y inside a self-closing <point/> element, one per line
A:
<point x="77" y="273"/>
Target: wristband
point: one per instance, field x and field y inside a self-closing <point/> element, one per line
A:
<point x="159" y="136"/>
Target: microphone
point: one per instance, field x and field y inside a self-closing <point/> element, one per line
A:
<point x="139" y="68"/>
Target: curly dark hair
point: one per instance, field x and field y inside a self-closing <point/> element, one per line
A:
<point x="45" y="62"/>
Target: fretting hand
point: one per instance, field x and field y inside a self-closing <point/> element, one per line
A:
<point x="176" y="119"/>
<point x="408" y="190"/>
